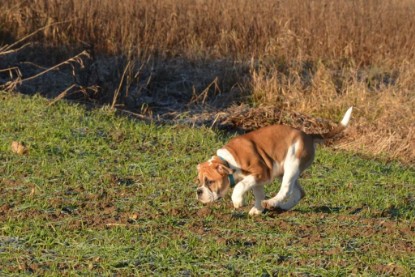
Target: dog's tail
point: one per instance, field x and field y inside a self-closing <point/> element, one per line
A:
<point x="337" y="130"/>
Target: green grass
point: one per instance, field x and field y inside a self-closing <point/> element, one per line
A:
<point x="100" y="194"/>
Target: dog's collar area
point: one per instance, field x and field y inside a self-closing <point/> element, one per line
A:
<point x="231" y="180"/>
<point x="230" y="176"/>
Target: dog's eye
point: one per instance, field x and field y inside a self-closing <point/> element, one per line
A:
<point x="209" y="182"/>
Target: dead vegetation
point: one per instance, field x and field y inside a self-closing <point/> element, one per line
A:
<point x="308" y="57"/>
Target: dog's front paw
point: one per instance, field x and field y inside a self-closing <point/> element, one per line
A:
<point x="237" y="202"/>
<point x="238" y="205"/>
<point x="255" y="211"/>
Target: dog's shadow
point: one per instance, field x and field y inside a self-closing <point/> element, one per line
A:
<point x="313" y="210"/>
<point x="324" y="209"/>
<point x="390" y="212"/>
<point x="236" y="214"/>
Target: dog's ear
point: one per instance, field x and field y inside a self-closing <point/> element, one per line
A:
<point x="224" y="170"/>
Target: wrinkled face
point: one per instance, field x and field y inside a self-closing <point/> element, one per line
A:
<point x="212" y="180"/>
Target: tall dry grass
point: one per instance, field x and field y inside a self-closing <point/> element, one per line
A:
<point x="316" y="57"/>
<point x="357" y="31"/>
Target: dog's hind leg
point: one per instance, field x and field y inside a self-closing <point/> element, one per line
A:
<point x="290" y="192"/>
<point x="259" y="194"/>
<point x="288" y="196"/>
<point x="295" y="196"/>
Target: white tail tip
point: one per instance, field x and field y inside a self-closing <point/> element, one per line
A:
<point x="346" y="117"/>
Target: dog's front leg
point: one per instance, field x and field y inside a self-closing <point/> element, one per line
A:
<point x="238" y="192"/>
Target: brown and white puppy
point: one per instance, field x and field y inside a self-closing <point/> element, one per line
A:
<point x="250" y="161"/>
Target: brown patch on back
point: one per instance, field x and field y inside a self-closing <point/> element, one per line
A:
<point x="256" y="151"/>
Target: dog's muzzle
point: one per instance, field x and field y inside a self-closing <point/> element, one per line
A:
<point x="205" y="195"/>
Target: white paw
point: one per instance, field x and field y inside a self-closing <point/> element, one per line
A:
<point x="290" y="201"/>
<point x="238" y="205"/>
<point x="237" y="202"/>
<point x="286" y="204"/>
<point x="268" y="204"/>
<point x="255" y="211"/>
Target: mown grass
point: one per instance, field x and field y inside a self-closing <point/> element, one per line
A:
<point x="103" y="194"/>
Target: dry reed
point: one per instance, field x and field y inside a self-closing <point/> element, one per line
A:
<point x="315" y="57"/>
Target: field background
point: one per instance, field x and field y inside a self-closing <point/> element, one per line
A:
<point x="101" y="193"/>
<point x="314" y="57"/>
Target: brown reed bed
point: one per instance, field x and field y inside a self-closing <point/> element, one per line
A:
<point x="312" y="57"/>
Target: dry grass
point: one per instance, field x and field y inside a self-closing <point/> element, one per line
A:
<point x="359" y="31"/>
<point x="314" y="57"/>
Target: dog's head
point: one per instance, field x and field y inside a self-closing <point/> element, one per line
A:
<point x="212" y="178"/>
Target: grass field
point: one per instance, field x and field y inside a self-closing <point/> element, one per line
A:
<point x="99" y="194"/>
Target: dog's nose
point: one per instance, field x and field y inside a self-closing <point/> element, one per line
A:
<point x="199" y="192"/>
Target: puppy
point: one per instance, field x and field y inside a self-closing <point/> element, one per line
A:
<point x="250" y="161"/>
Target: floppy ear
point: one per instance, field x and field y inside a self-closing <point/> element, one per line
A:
<point x="224" y="170"/>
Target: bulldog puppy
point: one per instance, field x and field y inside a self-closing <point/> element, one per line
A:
<point x="250" y="161"/>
